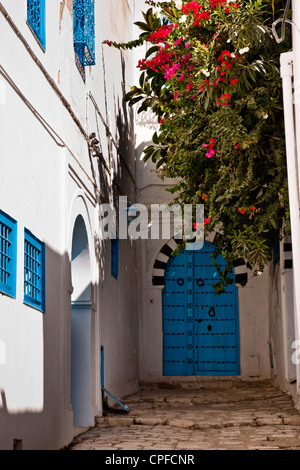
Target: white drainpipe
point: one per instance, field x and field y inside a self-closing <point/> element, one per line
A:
<point x="286" y="69"/>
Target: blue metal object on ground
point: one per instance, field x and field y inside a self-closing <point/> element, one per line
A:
<point x="200" y="329"/>
<point x="125" y="407"/>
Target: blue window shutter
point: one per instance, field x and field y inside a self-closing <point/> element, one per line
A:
<point x="115" y="257"/>
<point x="8" y="255"/>
<point x="84" y="30"/>
<point x="34" y="271"/>
<point x="36" y="18"/>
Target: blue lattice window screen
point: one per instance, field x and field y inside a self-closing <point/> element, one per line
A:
<point x="8" y="254"/>
<point x="37" y="20"/>
<point x="34" y="266"/>
<point x="84" y="30"/>
<point x="115" y="257"/>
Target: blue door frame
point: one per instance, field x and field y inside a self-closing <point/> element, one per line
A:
<point x="200" y="329"/>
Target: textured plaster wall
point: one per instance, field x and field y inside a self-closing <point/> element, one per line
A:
<point x="50" y="179"/>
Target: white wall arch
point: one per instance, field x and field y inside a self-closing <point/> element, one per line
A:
<point x="79" y="207"/>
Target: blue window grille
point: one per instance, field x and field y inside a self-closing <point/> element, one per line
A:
<point x="34" y="271"/>
<point x="8" y="255"/>
<point x="84" y="31"/>
<point x="36" y="19"/>
<point x="115" y="257"/>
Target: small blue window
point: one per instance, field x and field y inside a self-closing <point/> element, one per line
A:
<point x="8" y="255"/>
<point x="115" y="257"/>
<point x="37" y="20"/>
<point x="34" y="271"/>
<point x="84" y="30"/>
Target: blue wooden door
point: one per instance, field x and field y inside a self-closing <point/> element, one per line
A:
<point x="200" y="329"/>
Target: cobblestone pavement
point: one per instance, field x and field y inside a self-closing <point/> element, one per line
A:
<point x="216" y="415"/>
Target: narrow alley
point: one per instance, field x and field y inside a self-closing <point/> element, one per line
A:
<point x="154" y="253"/>
<point x="198" y="415"/>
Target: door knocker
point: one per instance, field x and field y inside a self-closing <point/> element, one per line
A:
<point x="212" y="312"/>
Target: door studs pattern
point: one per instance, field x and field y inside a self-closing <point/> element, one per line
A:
<point x="200" y="331"/>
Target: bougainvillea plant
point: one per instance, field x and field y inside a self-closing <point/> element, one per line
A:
<point x="211" y="75"/>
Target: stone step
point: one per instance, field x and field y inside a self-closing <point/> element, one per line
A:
<point x="198" y="423"/>
<point x="216" y="383"/>
<point x="238" y="417"/>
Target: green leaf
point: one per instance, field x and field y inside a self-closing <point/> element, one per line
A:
<point x="135" y="100"/>
<point x="151" y="51"/>
<point x="142" y="79"/>
<point x="143" y="26"/>
<point x="156" y="155"/>
<point x="160" y="163"/>
<point x="155" y="138"/>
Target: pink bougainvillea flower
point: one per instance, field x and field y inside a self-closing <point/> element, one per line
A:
<point x="199" y="16"/>
<point x="181" y="77"/>
<point x="171" y="71"/>
<point x="211" y="146"/>
<point x="159" y="61"/>
<point x="191" y="6"/>
<point x="216" y="3"/>
<point x="189" y="86"/>
<point x="210" y="153"/>
<point x="223" y="99"/>
<point x="251" y="208"/>
<point x="242" y="211"/>
<point x="236" y="146"/>
<point x="204" y="85"/>
<point x="225" y="53"/>
<point x="161" y="34"/>
<point x="195" y="225"/>
<point x="206" y="221"/>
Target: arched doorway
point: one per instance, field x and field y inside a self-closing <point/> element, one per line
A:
<point x="81" y="327"/>
<point x="200" y="329"/>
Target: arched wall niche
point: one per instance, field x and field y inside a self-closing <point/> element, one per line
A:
<point x="82" y="312"/>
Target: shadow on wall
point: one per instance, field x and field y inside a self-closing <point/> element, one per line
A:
<point x="119" y="152"/>
<point x="35" y="375"/>
<point x="12" y="422"/>
<point x="126" y="138"/>
<point x="34" y="366"/>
